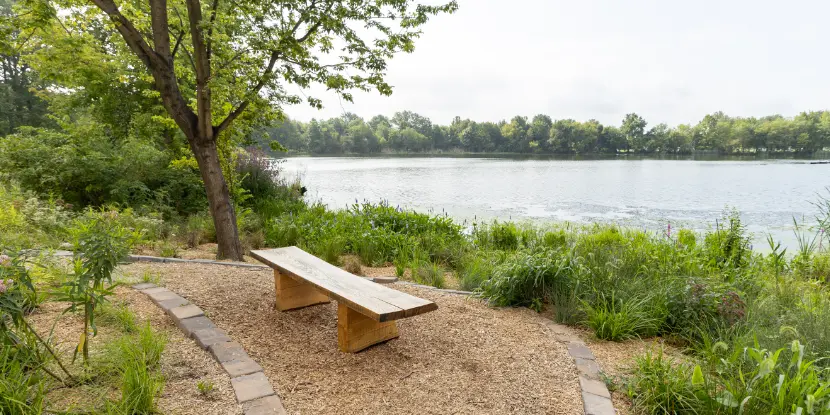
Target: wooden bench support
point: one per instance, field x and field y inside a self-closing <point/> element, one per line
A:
<point x="293" y="294"/>
<point x="356" y="332"/>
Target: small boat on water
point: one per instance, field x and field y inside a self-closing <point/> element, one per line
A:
<point x="820" y="162"/>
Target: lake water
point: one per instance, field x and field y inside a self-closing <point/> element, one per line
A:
<point x="646" y="194"/>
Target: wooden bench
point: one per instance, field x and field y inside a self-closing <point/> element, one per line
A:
<point x="366" y="311"/>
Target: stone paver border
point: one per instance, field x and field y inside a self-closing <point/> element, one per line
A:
<point x="250" y="385"/>
<point x="596" y="399"/>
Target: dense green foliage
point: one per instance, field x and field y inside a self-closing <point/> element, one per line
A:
<point x="407" y="132"/>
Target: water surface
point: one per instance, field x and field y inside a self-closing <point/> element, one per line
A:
<point x="648" y="194"/>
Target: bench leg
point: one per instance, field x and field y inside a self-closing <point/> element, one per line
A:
<point x="293" y="294"/>
<point x="356" y="332"/>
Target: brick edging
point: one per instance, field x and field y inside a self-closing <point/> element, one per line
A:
<point x="596" y="399"/>
<point x="250" y="385"/>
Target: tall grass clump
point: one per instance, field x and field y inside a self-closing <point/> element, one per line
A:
<point x="616" y="319"/>
<point x="527" y="278"/>
<point x="22" y="388"/>
<point x="428" y="273"/>
<point x="476" y="268"/>
<point x="661" y="385"/>
<point x="137" y="360"/>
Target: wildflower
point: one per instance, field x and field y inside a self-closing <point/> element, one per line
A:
<point x="5" y="260"/>
<point x="5" y="285"/>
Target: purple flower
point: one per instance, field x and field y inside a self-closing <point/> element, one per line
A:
<point x="5" y="285"/>
<point x="5" y="261"/>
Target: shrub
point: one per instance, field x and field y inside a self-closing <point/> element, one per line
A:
<point x="198" y="229"/>
<point x="727" y="247"/>
<point x="101" y="242"/>
<point x="84" y="165"/>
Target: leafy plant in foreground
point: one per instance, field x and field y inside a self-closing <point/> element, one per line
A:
<point x="100" y="244"/>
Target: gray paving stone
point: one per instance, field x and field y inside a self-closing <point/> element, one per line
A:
<point x="269" y="405"/>
<point x="203" y="261"/>
<point x="594" y="404"/>
<point x="174" y="260"/>
<point x="244" y="265"/>
<point x="172" y="303"/>
<point x="385" y="280"/>
<point x="225" y="352"/>
<point x="567" y="338"/>
<point x="162" y="296"/>
<point x="155" y="290"/>
<point x="185" y="311"/>
<point x="580" y="350"/>
<point x="144" y="258"/>
<point x="241" y="366"/>
<point x="459" y="292"/>
<point x="595" y="387"/>
<point x="189" y="325"/>
<point x="587" y="368"/>
<point x="250" y="387"/>
<point x="208" y="337"/>
<point x="144" y="286"/>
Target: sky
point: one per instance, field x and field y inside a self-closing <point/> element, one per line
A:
<point x="669" y="61"/>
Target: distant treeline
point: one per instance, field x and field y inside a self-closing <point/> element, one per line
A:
<point x="408" y="132"/>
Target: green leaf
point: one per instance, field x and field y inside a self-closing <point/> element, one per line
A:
<point x="697" y="376"/>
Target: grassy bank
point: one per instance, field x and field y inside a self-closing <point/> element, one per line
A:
<point x="753" y="324"/>
<point x="756" y="326"/>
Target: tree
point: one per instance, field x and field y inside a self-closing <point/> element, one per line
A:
<point x="634" y="130"/>
<point x="539" y="131"/>
<point x="211" y="63"/>
<point x="18" y="104"/>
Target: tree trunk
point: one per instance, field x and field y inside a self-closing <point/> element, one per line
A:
<point x="219" y="199"/>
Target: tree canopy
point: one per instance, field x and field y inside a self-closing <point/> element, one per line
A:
<point x="408" y="132"/>
<point x="210" y="71"/>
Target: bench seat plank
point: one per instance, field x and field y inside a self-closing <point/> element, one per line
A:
<point x="372" y="300"/>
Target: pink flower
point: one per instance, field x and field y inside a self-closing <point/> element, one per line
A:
<point x="5" y="261"/>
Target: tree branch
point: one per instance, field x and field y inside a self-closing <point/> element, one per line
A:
<point x="161" y="31"/>
<point x="178" y="42"/>
<point x="269" y="69"/>
<point x="213" y="9"/>
<point x="161" y="69"/>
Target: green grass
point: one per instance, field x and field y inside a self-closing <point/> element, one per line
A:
<point x="429" y="273"/>
<point x="615" y="319"/>
<point x="22" y="389"/>
<point x="138" y="359"/>
<point x="119" y="315"/>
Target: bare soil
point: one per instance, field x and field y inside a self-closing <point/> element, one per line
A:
<point x="464" y="358"/>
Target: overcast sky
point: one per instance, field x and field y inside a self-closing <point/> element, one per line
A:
<point x="667" y="61"/>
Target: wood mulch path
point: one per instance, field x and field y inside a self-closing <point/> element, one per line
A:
<point x="464" y="358"/>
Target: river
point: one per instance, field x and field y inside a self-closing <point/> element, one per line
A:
<point x="649" y="194"/>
